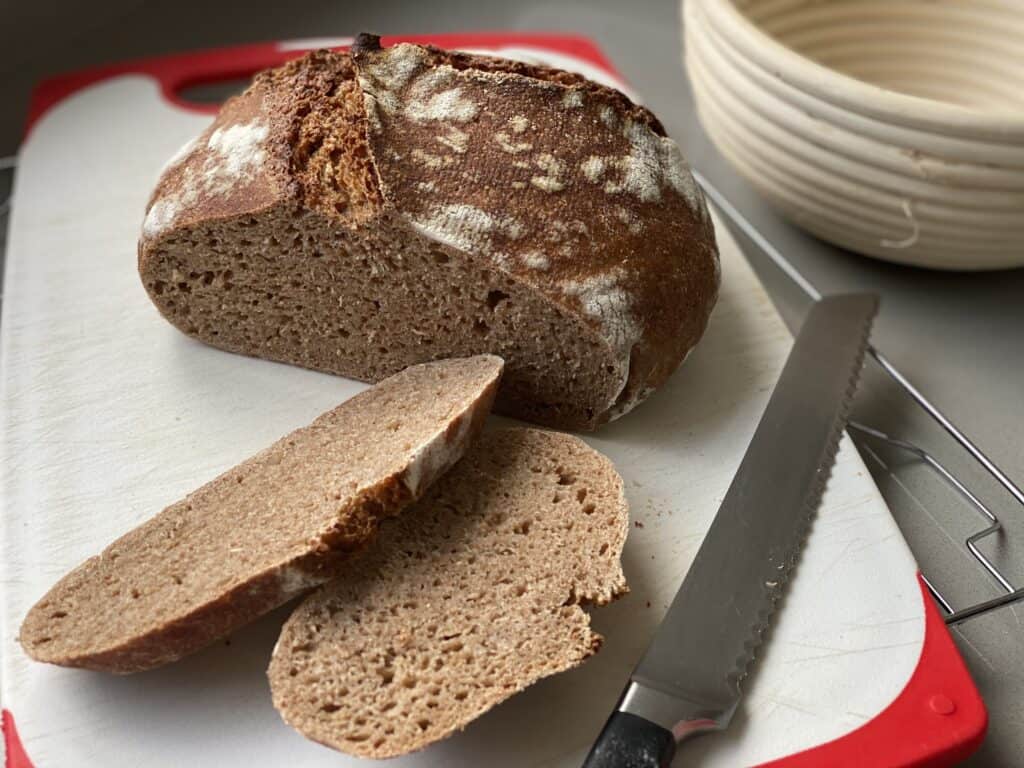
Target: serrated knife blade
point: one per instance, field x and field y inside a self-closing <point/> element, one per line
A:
<point x="689" y="679"/>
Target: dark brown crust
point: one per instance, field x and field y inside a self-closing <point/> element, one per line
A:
<point x="661" y="251"/>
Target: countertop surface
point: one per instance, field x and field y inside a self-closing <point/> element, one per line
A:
<point x="958" y="337"/>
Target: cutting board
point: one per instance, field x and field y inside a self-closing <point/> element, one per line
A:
<point x="108" y="414"/>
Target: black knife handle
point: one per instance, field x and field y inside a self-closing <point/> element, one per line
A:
<point x="628" y="741"/>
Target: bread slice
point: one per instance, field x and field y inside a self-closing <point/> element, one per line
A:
<point x="358" y="214"/>
<point x="261" y="533"/>
<point x="472" y="595"/>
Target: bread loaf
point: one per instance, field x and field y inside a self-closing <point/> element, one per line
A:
<point x="276" y="525"/>
<point x="470" y="596"/>
<point x="360" y="213"/>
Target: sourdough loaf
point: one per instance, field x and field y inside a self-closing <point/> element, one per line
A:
<point x="276" y="525"/>
<point x="470" y="596"/>
<point x="359" y="213"/>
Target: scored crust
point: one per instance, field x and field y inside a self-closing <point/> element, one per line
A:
<point x="471" y="596"/>
<point x="278" y="524"/>
<point x="556" y="186"/>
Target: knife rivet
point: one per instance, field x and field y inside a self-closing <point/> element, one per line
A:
<point x="942" y="705"/>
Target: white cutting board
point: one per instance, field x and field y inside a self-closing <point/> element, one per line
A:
<point x="108" y="414"/>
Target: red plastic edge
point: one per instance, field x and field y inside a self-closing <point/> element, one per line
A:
<point x="16" y="757"/>
<point x="938" y="719"/>
<point x="182" y="70"/>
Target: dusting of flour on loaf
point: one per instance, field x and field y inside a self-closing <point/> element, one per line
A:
<point x="603" y="297"/>
<point x="507" y="144"/>
<point x="458" y="225"/>
<point x="446" y="105"/>
<point x="518" y="123"/>
<point x="607" y="115"/>
<point x="468" y="228"/>
<point x="431" y="160"/>
<point x="231" y="156"/>
<point x="633" y="223"/>
<point x="593" y="168"/>
<point x="239" y="151"/>
<point x="652" y="162"/>
<point x="553" y="169"/>
<point x="159" y="217"/>
<point x="455" y="139"/>
<point x="536" y="260"/>
<point x="384" y="76"/>
<point x="572" y="99"/>
<point x="403" y="73"/>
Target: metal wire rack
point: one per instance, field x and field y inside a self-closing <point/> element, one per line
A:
<point x="952" y="615"/>
<point x="1011" y="594"/>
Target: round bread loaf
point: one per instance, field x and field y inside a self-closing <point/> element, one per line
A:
<point x="358" y="213"/>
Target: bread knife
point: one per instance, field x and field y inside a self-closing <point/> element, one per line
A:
<point x="689" y="679"/>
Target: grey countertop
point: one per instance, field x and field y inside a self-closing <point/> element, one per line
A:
<point x="957" y="336"/>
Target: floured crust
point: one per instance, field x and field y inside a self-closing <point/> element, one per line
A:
<point x="563" y="184"/>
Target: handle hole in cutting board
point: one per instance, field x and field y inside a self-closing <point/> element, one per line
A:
<point x="207" y="93"/>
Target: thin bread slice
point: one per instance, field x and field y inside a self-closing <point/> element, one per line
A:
<point x="274" y="526"/>
<point x="469" y="597"/>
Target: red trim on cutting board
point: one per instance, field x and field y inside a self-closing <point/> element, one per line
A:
<point x="186" y="69"/>
<point x="938" y="719"/>
<point x="16" y="757"/>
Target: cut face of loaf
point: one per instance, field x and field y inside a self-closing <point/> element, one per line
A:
<point x="358" y="214"/>
<point x="274" y="526"/>
<point x="469" y="597"/>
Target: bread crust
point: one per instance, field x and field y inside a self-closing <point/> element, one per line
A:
<point x="562" y="184"/>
